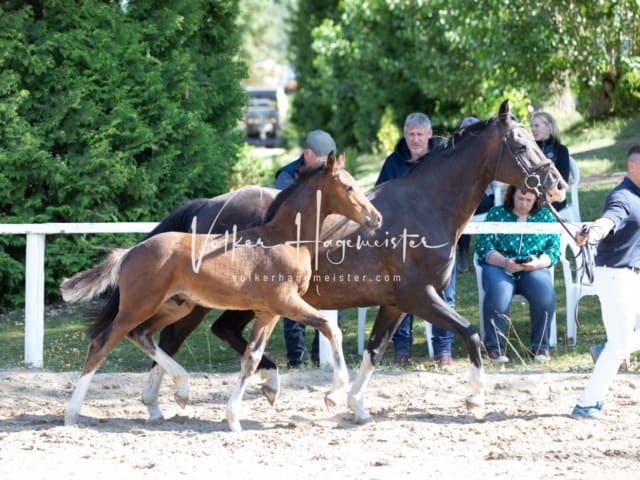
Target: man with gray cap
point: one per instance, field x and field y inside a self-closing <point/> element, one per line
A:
<point x="317" y="146"/>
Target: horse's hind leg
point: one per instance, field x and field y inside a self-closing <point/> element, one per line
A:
<point x="387" y="321"/>
<point x="262" y="329"/>
<point x="142" y="338"/>
<point x="433" y="307"/>
<point x="171" y="338"/>
<point x="229" y="327"/>
<point x="99" y="349"/>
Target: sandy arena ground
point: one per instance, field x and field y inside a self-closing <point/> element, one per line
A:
<point x="421" y="429"/>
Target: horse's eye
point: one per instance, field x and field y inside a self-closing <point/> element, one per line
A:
<point x="349" y="188"/>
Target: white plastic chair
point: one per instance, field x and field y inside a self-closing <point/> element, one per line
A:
<point x="553" y="330"/>
<point x="572" y="211"/>
<point x="574" y="288"/>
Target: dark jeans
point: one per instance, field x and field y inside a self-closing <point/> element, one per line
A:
<point x="500" y="287"/>
<point x="295" y="344"/>
<point x="442" y="339"/>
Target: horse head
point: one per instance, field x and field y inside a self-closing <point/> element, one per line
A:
<point x="343" y="196"/>
<point x="532" y="169"/>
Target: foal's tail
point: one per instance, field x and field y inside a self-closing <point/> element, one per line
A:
<point x="88" y="284"/>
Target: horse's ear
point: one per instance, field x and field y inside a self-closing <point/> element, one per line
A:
<point x="504" y="113"/>
<point x="332" y="165"/>
<point x="342" y="159"/>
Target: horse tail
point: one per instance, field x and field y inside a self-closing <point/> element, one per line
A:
<point x="98" y="321"/>
<point x="88" y="284"/>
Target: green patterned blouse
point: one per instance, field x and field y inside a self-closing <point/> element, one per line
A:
<point x="518" y="245"/>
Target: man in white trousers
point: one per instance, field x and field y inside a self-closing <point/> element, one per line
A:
<point x="617" y="283"/>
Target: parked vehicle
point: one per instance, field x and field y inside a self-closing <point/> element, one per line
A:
<point x="265" y="114"/>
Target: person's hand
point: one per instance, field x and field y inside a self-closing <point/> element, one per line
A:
<point x="582" y="236"/>
<point x="512" y="266"/>
<point x="534" y="264"/>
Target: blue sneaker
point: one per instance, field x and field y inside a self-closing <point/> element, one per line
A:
<point x="594" y="412"/>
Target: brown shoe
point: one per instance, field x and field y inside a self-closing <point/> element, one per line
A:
<point x="400" y="360"/>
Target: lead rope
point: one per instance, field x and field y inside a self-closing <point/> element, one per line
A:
<point x="586" y="253"/>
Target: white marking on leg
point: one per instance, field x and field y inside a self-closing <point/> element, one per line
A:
<point x="151" y="392"/>
<point x="340" y="372"/>
<point x="356" y="395"/>
<point x="271" y="385"/>
<point x="234" y="404"/>
<point x="176" y="372"/>
<point x="72" y="412"/>
<point x="476" y="401"/>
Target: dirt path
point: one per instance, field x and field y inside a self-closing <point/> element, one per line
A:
<point x="421" y="430"/>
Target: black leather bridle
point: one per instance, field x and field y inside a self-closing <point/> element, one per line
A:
<point x="535" y="177"/>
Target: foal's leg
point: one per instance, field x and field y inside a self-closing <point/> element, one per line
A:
<point x="387" y="321"/>
<point x="229" y="327"/>
<point x="262" y="329"/>
<point x="297" y="309"/>
<point x="99" y="349"/>
<point x="171" y="337"/>
<point x="141" y="338"/>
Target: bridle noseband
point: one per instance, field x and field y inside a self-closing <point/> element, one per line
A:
<point x="534" y="177"/>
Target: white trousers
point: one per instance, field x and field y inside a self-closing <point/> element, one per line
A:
<point x="618" y="290"/>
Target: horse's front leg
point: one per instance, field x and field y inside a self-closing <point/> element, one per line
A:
<point x="300" y="311"/>
<point x="262" y="329"/>
<point x="387" y="321"/>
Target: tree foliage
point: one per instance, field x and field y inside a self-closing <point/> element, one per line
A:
<point x="452" y="58"/>
<point x="112" y="115"/>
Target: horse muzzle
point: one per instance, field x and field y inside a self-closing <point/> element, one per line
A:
<point x="373" y="221"/>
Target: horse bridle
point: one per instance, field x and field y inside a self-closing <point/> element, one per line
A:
<point x="532" y="178"/>
<point x="534" y="174"/>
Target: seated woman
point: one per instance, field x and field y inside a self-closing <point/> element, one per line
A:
<point x="518" y="264"/>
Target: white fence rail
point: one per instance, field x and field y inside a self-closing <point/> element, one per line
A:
<point x="35" y="264"/>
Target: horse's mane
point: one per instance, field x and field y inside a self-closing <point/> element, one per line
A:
<point x="448" y="144"/>
<point x="461" y="133"/>
<point x="282" y="197"/>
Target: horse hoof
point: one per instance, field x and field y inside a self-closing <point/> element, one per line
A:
<point x="181" y="400"/>
<point x="234" y="423"/>
<point x="329" y="400"/>
<point x="70" y="419"/>
<point x="270" y="393"/>
<point x="155" y="416"/>
<point x="364" y="420"/>
<point x="475" y="408"/>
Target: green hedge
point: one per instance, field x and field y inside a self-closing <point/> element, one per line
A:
<point x="111" y="115"/>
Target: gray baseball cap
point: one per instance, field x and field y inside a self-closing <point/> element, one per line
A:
<point x="468" y="121"/>
<point x="320" y="143"/>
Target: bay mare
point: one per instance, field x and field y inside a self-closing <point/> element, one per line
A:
<point x="430" y="206"/>
<point x="161" y="278"/>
